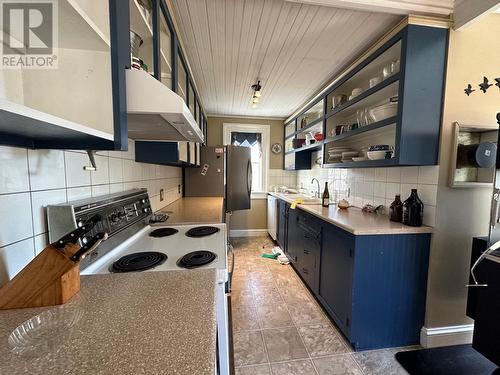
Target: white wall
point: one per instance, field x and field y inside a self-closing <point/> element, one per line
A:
<point x="461" y="213"/>
<point x="32" y="179"/>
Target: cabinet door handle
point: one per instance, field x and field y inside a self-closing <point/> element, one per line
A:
<point x="306" y="251"/>
<point x="295" y="258"/>
<point x="306" y="272"/>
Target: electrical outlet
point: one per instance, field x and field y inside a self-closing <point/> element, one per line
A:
<point x="179" y="188"/>
<point x="162" y="195"/>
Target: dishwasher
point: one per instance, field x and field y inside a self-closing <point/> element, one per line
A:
<point x="272" y="216"/>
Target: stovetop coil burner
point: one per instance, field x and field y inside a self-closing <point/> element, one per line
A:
<point x="138" y="262"/>
<point x="201" y="231"/>
<point x="196" y="259"/>
<point x="163" y="232"/>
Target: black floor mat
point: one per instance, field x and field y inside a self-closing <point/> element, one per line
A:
<point x="448" y="360"/>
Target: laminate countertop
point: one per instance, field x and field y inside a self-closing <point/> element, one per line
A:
<point x="134" y="323"/>
<point x="195" y="210"/>
<point x="355" y="221"/>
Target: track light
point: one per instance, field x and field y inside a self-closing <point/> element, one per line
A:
<point x="256" y="94"/>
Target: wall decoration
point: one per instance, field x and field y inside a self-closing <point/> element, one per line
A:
<point x="469" y="90"/>
<point x="498" y="82"/>
<point x="485" y="85"/>
<point x="276" y="148"/>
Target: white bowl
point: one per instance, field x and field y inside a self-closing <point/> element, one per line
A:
<point x="378" y="155"/>
<point x="384" y="111"/>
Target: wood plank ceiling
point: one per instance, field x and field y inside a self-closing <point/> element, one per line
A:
<point x="293" y="49"/>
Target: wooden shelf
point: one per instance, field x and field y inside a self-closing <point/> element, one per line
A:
<point x="385" y="83"/>
<point x="375" y="125"/>
<point x="29" y="127"/>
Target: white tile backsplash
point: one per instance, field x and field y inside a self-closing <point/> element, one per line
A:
<point x="46" y="169"/>
<point x="39" y="200"/>
<point x="32" y="179"/>
<point x="14" y="257"/>
<point x="13" y="170"/>
<point x="377" y="186"/>
<point x="15" y="218"/>
<point x="75" y="174"/>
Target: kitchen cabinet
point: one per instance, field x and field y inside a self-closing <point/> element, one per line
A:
<point x="93" y="57"/>
<point x="307" y="240"/>
<point x="372" y="286"/>
<point x="282" y="227"/>
<point x="398" y="102"/>
<point x="337" y="261"/>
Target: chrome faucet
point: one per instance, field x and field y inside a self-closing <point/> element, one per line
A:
<point x="318" y="193"/>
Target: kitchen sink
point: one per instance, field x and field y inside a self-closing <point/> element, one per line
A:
<point x="306" y="199"/>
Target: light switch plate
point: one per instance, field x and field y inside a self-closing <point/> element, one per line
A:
<point x="162" y="195"/>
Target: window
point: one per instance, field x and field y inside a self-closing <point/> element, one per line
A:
<point x="257" y="138"/>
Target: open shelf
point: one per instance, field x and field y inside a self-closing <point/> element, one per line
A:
<point x="140" y="25"/>
<point x="316" y="123"/>
<point x="363" y="164"/>
<point x="383" y="90"/>
<point x="36" y="129"/>
<point x="311" y="147"/>
<point x="367" y="128"/>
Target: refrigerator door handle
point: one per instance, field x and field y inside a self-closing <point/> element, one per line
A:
<point x="249" y="177"/>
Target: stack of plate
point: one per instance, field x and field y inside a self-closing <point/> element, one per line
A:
<point x="348" y="155"/>
<point x="335" y="154"/>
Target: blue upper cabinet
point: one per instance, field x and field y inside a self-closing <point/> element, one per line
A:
<point x="391" y="97"/>
<point x="120" y="74"/>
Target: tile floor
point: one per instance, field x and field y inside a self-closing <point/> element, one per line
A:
<point x="279" y="328"/>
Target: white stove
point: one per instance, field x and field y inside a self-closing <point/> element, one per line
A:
<point x="135" y="246"/>
<point x="174" y="246"/>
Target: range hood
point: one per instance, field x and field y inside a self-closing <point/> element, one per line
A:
<point x="157" y="113"/>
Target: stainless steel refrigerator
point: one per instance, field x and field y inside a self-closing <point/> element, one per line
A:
<point x="225" y="171"/>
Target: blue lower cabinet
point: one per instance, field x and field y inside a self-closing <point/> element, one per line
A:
<point x="374" y="287"/>
<point x="336" y="275"/>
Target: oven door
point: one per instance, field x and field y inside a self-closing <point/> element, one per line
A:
<point x="224" y="334"/>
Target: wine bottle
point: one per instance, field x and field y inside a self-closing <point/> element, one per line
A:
<point x="396" y="209"/>
<point x="413" y="210"/>
<point x="326" y="196"/>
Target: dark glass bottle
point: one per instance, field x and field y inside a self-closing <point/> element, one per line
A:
<point x="326" y="196"/>
<point x="413" y="210"/>
<point x="396" y="209"/>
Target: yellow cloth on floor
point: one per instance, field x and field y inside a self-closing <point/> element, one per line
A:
<point x="295" y="203"/>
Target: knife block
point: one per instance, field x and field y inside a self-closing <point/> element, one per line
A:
<point x="51" y="278"/>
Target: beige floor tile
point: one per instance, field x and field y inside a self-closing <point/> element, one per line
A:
<point x="322" y="340"/>
<point x="274" y="316"/>
<point x="306" y="313"/>
<point x="284" y="344"/>
<point x="379" y="362"/>
<point x="245" y="318"/>
<point x="253" y="370"/>
<point x="242" y="298"/>
<point x="337" y="365"/>
<point x="303" y="367"/>
<point x="249" y="348"/>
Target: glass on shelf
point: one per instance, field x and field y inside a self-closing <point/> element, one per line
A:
<point x="373" y="74"/>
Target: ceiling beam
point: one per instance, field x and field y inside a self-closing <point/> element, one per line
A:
<point x="468" y="11"/>
<point x="404" y="7"/>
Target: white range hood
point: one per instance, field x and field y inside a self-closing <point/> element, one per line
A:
<point x="157" y="113"/>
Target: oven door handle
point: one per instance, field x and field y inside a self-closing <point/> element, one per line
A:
<point x="231" y="267"/>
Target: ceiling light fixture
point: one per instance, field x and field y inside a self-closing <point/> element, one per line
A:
<point x="256" y="94"/>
